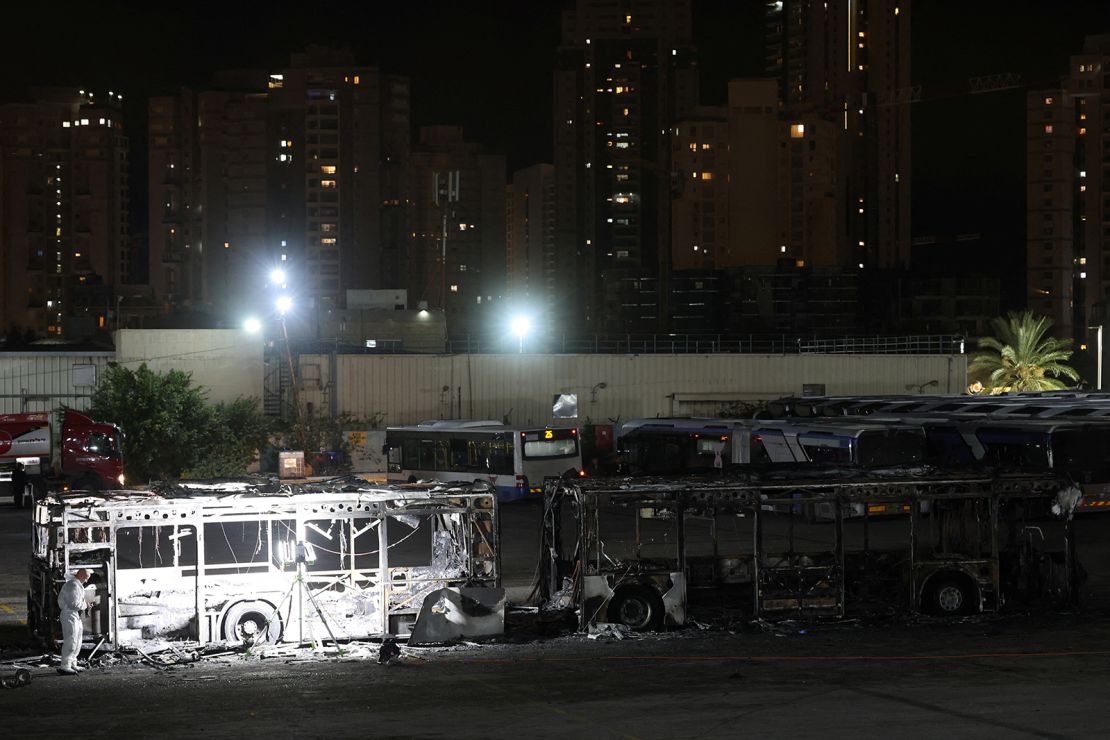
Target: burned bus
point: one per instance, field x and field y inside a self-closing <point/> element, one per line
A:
<point x="647" y="553"/>
<point x="231" y="562"/>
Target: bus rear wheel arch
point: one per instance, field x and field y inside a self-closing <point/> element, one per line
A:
<point x="251" y="623"/>
<point x="949" y="594"/>
<point x="637" y="607"/>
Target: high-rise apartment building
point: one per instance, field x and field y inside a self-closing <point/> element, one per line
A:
<point x="305" y="166"/>
<point x="532" y="282"/>
<point x="700" y="191"/>
<point x="625" y="73"/>
<point x="847" y="62"/>
<point x="457" y="249"/>
<point x="1068" y="179"/>
<point x="63" y="211"/>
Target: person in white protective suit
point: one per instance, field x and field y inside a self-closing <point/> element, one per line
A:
<point x="71" y="602"/>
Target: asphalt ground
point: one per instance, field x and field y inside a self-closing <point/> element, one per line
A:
<point x="990" y="676"/>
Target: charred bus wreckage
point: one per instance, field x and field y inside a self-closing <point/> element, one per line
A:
<point x="646" y="553"/>
<point x="254" y="564"/>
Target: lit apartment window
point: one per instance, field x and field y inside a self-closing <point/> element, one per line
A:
<point x="693" y="146"/>
<point x="1082" y="260"/>
<point x="327" y="169"/>
<point x="706" y="147"/>
<point x="618" y="89"/>
<point x="327" y="240"/>
<point x="799" y="263"/>
<point x="1048" y="128"/>
<point x="707" y="175"/>
<point x="276" y="81"/>
<point x="626" y="111"/>
<point x="797" y="130"/>
<point x="627" y="19"/>
<point x="327" y="184"/>
<point x="454" y="289"/>
<point x="1082" y="130"/>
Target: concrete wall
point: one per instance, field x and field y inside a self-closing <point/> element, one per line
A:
<point x="405" y="389"/>
<point x="227" y="362"/>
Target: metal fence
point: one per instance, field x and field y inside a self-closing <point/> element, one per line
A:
<point x="636" y="344"/>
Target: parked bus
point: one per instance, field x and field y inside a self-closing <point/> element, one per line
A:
<point x="649" y="555"/>
<point x="231" y="562"/>
<point x="514" y="460"/>
<point x="668" y="446"/>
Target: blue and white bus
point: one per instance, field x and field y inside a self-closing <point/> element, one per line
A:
<point x="514" y="460"/>
<point x="669" y="446"/>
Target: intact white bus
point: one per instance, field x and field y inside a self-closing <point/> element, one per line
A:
<point x="514" y="460"/>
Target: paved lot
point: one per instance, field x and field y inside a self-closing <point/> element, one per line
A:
<point x="995" y="676"/>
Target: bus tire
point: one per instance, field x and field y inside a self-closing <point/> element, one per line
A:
<point x="949" y="595"/>
<point x="637" y="607"/>
<point x="244" y="622"/>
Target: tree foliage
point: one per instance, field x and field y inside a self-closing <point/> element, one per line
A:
<point x="171" y="430"/>
<point x="1022" y="356"/>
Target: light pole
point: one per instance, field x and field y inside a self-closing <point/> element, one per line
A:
<point x="520" y="326"/>
<point x="284" y="305"/>
<point x="1098" y="357"/>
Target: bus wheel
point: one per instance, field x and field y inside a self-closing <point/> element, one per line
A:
<point x="246" y="623"/>
<point x="949" y="596"/>
<point x="637" y="607"/>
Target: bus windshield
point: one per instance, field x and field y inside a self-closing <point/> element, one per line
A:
<point x="550" y="443"/>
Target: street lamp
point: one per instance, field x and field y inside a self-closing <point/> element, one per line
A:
<point x="277" y="276"/>
<point x="252" y="325"/>
<point x="284" y="305"/>
<point x="520" y="326"/>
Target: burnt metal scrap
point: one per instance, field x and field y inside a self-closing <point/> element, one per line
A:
<point x="256" y="563"/>
<point x="645" y="552"/>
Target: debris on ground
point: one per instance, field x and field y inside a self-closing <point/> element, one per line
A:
<point x="389" y="653"/>
<point x="20" y="678"/>
<point x="609" y="631"/>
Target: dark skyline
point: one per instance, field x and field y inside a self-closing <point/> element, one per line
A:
<point x="487" y="66"/>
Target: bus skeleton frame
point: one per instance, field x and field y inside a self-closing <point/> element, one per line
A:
<point x="785" y="583"/>
<point x="365" y="597"/>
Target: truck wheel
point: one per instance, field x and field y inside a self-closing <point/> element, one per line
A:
<point x="949" y="596"/>
<point x="246" y="622"/>
<point x="637" y="607"/>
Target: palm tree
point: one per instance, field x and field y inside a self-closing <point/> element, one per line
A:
<point x="1020" y="357"/>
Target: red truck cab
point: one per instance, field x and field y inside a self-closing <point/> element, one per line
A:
<point x="92" y="452"/>
<point x="82" y="454"/>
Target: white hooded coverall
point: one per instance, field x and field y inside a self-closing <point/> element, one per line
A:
<point x="71" y="601"/>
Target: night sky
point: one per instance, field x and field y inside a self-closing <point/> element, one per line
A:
<point x="487" y="66"/>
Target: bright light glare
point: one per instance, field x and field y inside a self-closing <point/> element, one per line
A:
<point x="277" y="276"/>
<point x="284" y="304"/>
<point x="521" y="325"/>
<point x="252" y="325"/>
